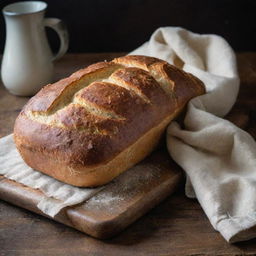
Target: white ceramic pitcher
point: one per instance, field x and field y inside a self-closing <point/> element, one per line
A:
<point x="27" y="60"/>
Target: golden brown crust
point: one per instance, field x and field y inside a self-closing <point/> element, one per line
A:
<point x="85" y="123"/>
<point x="115" y="100"/>
<point x="48" y="96"/>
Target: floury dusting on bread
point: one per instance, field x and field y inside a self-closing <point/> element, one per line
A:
<point x="88" y="128"/>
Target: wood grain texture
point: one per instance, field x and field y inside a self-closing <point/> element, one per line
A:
<point x="117" y="205"/>
<point x="177" y="226"/>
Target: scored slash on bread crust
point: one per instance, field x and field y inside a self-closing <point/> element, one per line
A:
<point x="88" y="128"/>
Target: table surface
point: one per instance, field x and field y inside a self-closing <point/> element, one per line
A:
<point x="177" y="226"/>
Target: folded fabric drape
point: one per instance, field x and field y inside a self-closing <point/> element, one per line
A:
<point x="219" y="158"/>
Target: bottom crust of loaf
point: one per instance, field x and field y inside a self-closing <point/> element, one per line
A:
<point x="99" y="175"/>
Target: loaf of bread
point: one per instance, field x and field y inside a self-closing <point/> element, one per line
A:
<point x="88" y="128"/>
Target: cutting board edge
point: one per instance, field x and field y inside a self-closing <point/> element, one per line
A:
<point x="104" y="229"/>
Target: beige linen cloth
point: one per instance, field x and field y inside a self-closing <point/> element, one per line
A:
<point x="219" y="158"/>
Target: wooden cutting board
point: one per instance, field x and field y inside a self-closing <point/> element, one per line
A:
<point x="120" y="203"/>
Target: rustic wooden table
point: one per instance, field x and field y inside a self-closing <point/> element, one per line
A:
<point x="178" y="226"/>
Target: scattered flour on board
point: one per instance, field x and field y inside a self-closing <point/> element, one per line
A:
<point x="125" y="186"/>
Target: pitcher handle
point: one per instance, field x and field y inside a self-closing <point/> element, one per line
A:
<point x="60" y="27"/>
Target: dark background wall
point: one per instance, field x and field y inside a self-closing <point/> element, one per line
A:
<point x="122" y="25"/>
